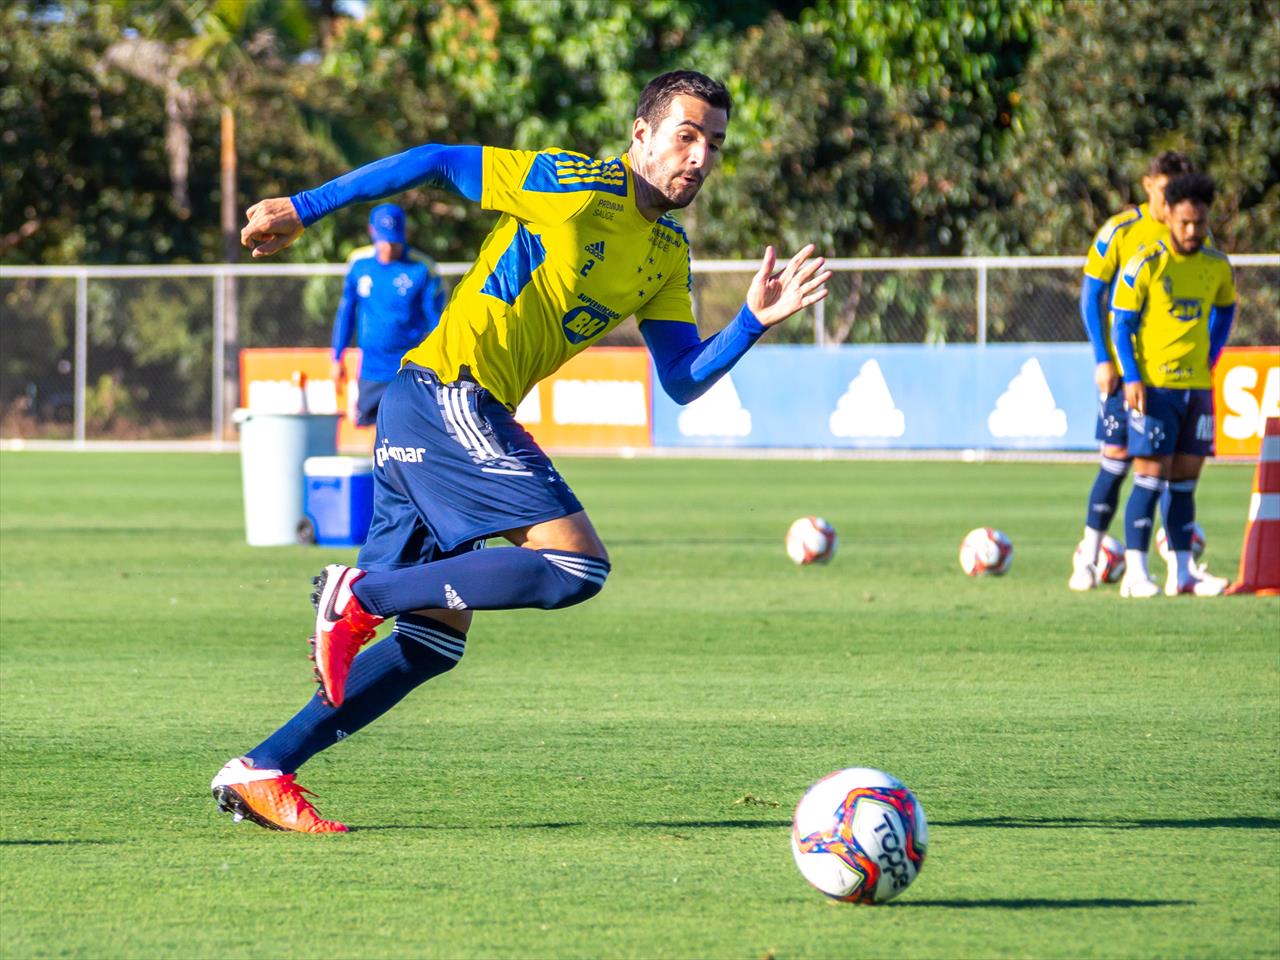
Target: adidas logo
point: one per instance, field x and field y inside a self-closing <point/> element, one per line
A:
<point x="596" y="249"/>
<point x="451" y="598"/>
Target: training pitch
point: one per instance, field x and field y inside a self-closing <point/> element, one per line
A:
<point x="617" y="780"/>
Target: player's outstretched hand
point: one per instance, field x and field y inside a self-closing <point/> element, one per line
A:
<point x="774" y="297"/>
<point x="273" y="225"/>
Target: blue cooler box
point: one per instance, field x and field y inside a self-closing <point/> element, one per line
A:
<point x="338" y="499"/>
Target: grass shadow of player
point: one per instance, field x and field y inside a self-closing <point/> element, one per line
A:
<point x="17" y="842"/>
<point x="557" y="825"/>
<point x="714" y="824"/>
<point x="1041" y="903"/>
<point x="1081" y="823"/>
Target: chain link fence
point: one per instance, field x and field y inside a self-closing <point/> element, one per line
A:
<point x="151" y="353"/>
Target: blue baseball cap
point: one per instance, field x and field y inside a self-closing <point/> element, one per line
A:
<point x="386" y="223"/>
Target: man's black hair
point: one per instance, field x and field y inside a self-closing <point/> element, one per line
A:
<point x="1171" y="163"/>
<point x="1197" y="187"/>
<point x="655" y="99"/>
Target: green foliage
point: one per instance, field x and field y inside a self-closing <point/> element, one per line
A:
<point x="1112" y="84"/>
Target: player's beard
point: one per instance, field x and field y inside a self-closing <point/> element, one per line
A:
<point x="1187" y="249"/>
<point x="676" y="193"/>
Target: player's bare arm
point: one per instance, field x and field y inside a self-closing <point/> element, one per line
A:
<point x="775" y="297"/>
<point x="1105" y="377"/>
<point x="272" y="225"/>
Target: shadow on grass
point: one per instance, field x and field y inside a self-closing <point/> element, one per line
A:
<point x="1059" y="823"/>
<point x="55" y="843"/>
<point x="1040" y="903"/>
<point x="715" y="824"/>
<point x="463" y="826"/>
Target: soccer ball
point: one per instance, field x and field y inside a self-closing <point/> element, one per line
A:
<point x="1110" y="562"/>
<point x="811" y="540"/>
<point x="985" y="551"/>
<point x="859" y="835"/>
<point x="1197" y="543"/>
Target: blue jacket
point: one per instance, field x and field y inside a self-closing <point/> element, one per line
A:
<point x="390" y="307"/>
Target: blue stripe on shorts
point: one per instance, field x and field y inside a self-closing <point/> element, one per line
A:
<point x="452" y="467"/>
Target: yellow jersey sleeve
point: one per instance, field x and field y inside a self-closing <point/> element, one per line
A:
<point x="672" y="301"/>
<point x="548" y="186"/>
<point x="1131" y="292"/>
<point x="1226" y="293"/>
<point x="1104" y="252"/>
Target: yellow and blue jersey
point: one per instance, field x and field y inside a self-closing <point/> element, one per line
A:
<point x="1113" y="245"/>
<point x="570" y="258"/>
<point x="1172" y="297"/>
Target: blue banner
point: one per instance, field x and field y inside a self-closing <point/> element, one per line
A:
<point x="1010" y="396"/>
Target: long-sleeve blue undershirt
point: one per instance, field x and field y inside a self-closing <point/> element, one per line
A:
<point x="1123" y="329"/>
<point x="1093" y="299"/>
<point x="1220" y="321"/>
<point x="686" y="366"/>
<point x="459" y="169"/>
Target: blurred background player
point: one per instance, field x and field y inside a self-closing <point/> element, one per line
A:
<point x="1173" y="309"/>
<point x="1113" y="245"/>
<point x="391" y="299"/>
<point x="580" y="245"/>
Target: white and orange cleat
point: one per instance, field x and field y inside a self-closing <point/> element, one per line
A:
<point x="1200" y="583"/>
<point x="343" y="626"/>
<point x="269" y="798"/>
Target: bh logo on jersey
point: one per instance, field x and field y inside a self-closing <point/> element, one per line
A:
<point x="583" y="322"/>
<point x="1185" y="309"/>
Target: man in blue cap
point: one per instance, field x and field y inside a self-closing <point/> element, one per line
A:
<point x="391" y="300"/>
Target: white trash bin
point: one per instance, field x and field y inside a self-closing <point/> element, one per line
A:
<point x="273" y="448"/>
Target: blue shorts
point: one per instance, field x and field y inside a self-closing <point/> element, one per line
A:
<point x="1177" y="421"/>
<point x="368" y="396"/>
<point x="1113" y="419"/>
<point x="451" y="467"/>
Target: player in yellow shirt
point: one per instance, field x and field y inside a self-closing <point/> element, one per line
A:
<point x="580" y="244"/>
<point x="1118" y="240"/>
<point x="1173" y="308"/>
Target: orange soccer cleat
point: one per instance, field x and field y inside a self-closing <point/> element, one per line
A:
<point x="343" y="626"/>
<point x="269" y="798"/>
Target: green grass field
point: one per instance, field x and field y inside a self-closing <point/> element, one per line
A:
<point x="1102" y="778"/>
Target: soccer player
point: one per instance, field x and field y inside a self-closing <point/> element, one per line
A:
<point x="391" y="299"/>
<point x="1113" y="245"/>
<point x="1173" y="310"/>
<point x="580" y="244"/>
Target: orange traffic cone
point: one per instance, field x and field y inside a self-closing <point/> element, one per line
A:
<point x="1260" y="558"/>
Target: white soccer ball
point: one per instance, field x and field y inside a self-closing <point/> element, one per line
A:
<point x="1110" y="561"/>
<point x="859" y="835"/>
<point x="1197" y="543"/>
<point x="985" y="551"/>
<point x="811" y="540"/>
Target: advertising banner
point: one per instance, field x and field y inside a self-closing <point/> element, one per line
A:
<point x="1246" y="390"/>
<point x="599" y="399"/>
<point x="1003" y="396"/>
<point x="269" y="384"/>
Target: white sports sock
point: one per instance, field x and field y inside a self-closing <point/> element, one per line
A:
<point x="1091" y="543"/>
<point x="1136" y="563"/>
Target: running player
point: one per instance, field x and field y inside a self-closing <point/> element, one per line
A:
<point x="580" y="244"/>
<point x="1173" y="310"/>
<point x="1117" y="241"/>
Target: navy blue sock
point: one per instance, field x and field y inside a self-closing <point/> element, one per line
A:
<point x="1140" y="512"/>
<point x="418" y="649"/>
<point x="1166" y="505"/>
<point x="506" y="578"/>
<point x="1180" y="517"/>
<point x="1105" y="495"/>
